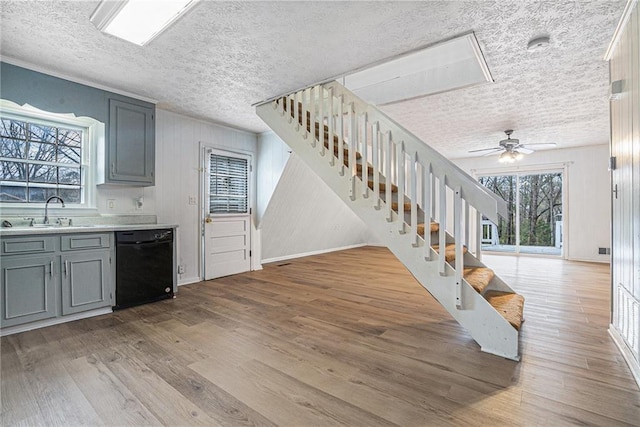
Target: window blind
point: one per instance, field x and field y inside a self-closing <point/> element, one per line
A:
<point x="228" y="184"/>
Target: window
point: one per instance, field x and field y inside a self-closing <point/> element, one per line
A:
<point x="39" y="159"/>
<point x="534" y="221"/>
<point x="228" y="184"/>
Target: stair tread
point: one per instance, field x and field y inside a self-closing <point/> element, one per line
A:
<point x="510" y="305"/>
<point x="433" y="227"/>
<point x="449" y="251"/>
<point x="383" y="187"/>
<point x="478" y="277"/>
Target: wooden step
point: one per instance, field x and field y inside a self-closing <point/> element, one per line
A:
<point x="434" y="227"/>
<point x="383" y="187"/>
<point x="369" y="169"/>
<point x="508" y="304"/>
<point x="478" y="277"/>
<point x="449" y="251"/>
<point x="407" y="206"/>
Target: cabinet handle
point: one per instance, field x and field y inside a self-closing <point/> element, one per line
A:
<point x="113" y="168"/>
<point x="66" y="272"/>
<point x="51" y="268"/>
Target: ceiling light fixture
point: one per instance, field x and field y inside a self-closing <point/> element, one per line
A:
<point x="538" y="43"/>
<point x="138" y="21"/>
<point x="510" y="156"/>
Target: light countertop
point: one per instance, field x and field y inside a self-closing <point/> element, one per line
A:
<point x="94" y="228"/>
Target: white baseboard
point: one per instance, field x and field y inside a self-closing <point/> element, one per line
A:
<point x="55" y="321"/>
<point x="634" y="366"/>
<point x="321" y="251"/>
<point x="189" y="280"/>
<point x="596" y="260"/>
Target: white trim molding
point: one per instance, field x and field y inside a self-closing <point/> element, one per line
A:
<point x="626" y="14"/>
<point x="318" y="252"/>
<point x="634" y="366"/>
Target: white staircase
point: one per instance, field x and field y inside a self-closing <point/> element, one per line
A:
<point x="400" y="187"/>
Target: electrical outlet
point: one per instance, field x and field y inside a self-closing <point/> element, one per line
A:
<point x="604" y="251"/>
<point x="181" y="269"/>
<point x="192" y="200"/>
<point x="111" y="203"/>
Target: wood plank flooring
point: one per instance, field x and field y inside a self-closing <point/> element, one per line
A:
<point x="346" y="338"/>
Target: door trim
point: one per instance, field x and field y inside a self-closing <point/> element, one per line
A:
<point x="202" y="204"/>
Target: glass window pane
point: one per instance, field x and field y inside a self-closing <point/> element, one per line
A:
<point x="13" y="171"/>
<point x="42" y="152"/>
<point x="70" y="195"/>
<point x="42" y="133"/>
<point x="13" y="194"/>
<point x="541" y="212"/>
<point x="69" y="137"/>
<point x="13" y="128"/>
<point x="501" y="236"/>
<point x="68" y="154"/>
<point x="39" y="194"/>
<point x="12" y="148"/>
<point x="43" y="173"/>
<point x="69" y="176"/>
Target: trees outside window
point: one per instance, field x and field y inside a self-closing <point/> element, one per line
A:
<point x="534" y="219"/>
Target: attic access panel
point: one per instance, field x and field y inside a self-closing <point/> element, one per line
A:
<point x="445" y="66"/>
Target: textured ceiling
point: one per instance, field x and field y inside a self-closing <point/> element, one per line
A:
<point x="224" y="56"/>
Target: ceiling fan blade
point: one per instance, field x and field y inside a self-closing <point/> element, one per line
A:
<point x="486" y="149"/>
<point x="524" y="150"/>
<point x="491" y="153"/>
<point x="542" y="144"/>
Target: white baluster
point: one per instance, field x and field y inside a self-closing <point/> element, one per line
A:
<point x="340" y="132"/>
<point x="457" y="234"/>
<point x="375" y="133"/>
<point x="478" y="253"/>
<point x="289" y="112"/>
<point x="295" y="112"/>
<point x="363" y="141"/>
<point x="330" y="123"/>
<point x="387" y="176"/>
<point x="305" y="118"/>
<point x="312" y="115"/>
<point x="442" y="218"/>
<point x="466" y="223"/>
<point x="353" y="136"/>
<point x="321" y="119"/>
<point x="413" y="181"/>
<point x="426" y="207"/>
<point x="401" y="173"/>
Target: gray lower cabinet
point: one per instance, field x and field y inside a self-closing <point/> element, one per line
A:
<point x="50" y="276"/>
<point x="85" y="281"/>
<point x="29" y="286"/>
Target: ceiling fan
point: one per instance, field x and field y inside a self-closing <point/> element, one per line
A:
<point x="511" y="149"/>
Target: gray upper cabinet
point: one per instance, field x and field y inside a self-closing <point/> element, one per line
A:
<point x="28" y="287"/>
<point x="130" y="150"/>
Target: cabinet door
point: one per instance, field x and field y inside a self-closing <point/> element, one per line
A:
<point x="86" y="281"/>
<point x="131" y="143"/>
<point x="28" y="289"/>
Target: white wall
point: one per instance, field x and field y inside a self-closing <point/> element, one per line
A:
<point x="178" y="177"/>
<point x="273" y="155"/>
<point x="299" y="214"/>
<point x="588" y="214"/>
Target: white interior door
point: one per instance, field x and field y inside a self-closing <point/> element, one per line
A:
<point x="227" y="223"/>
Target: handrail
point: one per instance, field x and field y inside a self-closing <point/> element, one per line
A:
<point x="486" y="201"/>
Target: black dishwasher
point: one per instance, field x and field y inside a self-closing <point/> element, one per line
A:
<point x="144" y="266"/>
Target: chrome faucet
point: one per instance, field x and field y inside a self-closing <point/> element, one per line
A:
<point x="46" y="207"/>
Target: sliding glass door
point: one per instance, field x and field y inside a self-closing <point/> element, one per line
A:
<point x="534" y="221"/>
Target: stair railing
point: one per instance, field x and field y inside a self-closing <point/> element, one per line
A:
<point x="443" y="192"/>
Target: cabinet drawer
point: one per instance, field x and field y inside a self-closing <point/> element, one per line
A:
<point x="78" y="242"/>
<point x="27" y="245"/>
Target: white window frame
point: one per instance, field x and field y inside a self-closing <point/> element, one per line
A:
<point x="93" y="135"/>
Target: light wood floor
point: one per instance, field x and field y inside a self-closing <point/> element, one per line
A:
<point x="343" y="338"/>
